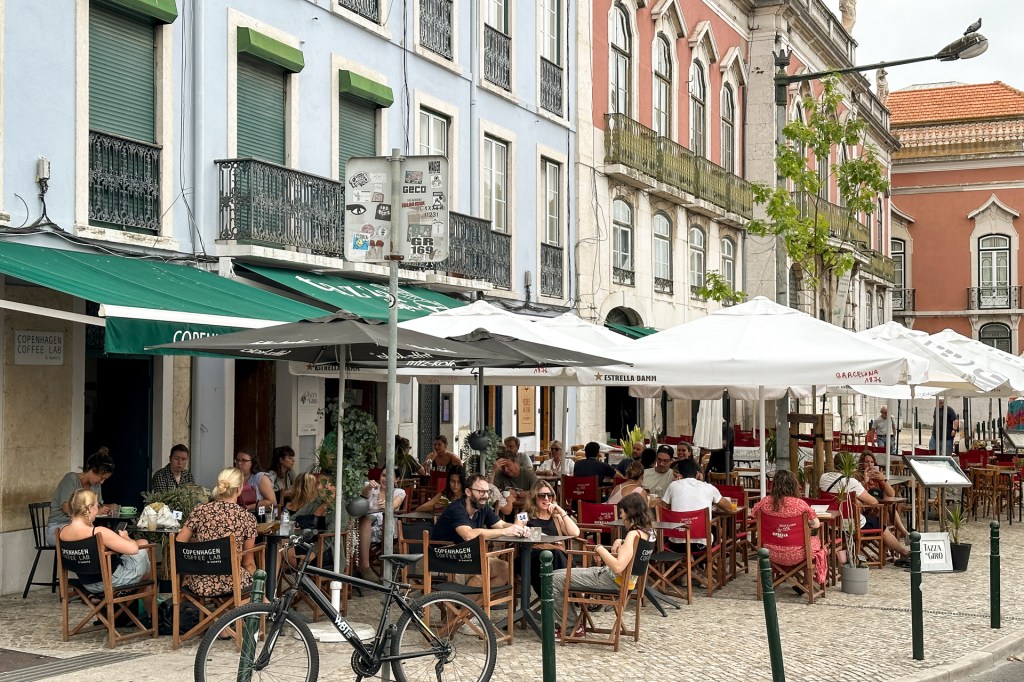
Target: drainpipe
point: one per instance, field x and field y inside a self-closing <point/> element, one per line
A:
<point x="474" y="123"/>
<point x="198" y="158"/>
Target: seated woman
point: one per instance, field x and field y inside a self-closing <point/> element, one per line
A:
<point x="371" y="526"/>
<point x="552" y="520"/>
<point x="257" y="489"/>
<point x="878" y="487"/>
<point x="98" y="468"/>
<point x="282" y="470"/>
<point x="305" y="504"/>
<point x="636" y="517"/>
<point x="440" y="459"/>
<point x="217" y="519"/>
<point x="783" y="501"/>
<point x="632" y="484"/>
<point x="454" y="485"/>
<point x="129" y="567"/>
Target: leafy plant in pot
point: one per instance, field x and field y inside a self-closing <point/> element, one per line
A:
<point x="960" y="552"/>
<point x="854" y="575"/>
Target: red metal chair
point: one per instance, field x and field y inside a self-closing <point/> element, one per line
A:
<point x="789" y="531"/>
<point x="580" y="489"/>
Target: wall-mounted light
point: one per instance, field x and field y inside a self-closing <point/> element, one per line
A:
<point x="42" y="169"/>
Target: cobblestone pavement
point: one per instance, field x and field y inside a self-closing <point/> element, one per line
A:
<point x="842" y="637"/>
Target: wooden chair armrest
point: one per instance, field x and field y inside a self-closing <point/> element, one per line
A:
<point x="497" y="553"/>
<point x="258" y="551"/>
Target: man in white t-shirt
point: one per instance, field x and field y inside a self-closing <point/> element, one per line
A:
<point x="690" y="494"/>
<point x="557" y="464"/>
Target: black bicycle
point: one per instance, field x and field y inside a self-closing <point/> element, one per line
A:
<point x="439" y="636"/>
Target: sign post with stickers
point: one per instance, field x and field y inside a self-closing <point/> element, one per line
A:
<point x="396" y="209"/>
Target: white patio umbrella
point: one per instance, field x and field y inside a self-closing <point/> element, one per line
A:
<point x="708" y="431"/>
<point x="757" y="349"/>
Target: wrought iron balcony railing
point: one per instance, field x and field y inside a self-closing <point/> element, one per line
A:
<point x="623" y="276"/>
<point x="663" y="285"/>
<point x="263" y="203"/>
<point x="436" y="26"/>
<point x="881" y="266"/>
<point x="551" y="86"/>
<point x="124" y="183"/>
<point x="475" y="251"/>
<point x="640" y="148"/>
<point x="841" y="224"/>
<point x="497" y="60"/>
<point x="903" y="300"/>
<point x="993" y="298"/>
<point x="368" y="9"/>
<point x="552" y="269"/>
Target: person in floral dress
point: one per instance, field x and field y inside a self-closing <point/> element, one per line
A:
<point x="217" y="519"/>
<point x="783" y="501"/>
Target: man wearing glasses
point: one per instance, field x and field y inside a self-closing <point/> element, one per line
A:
<point x="557" y="464"/>
<point x="656" y="480"/>
<point x="475" y="518"/>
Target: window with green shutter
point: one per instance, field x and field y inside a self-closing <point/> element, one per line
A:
<point x="122" y="74"/>
<point x="357" y="130"/>
<point x="262" y="110"/>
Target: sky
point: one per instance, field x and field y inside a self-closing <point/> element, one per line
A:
<point x="887" y="30"/>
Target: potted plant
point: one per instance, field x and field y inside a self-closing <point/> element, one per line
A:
<point x="959" y="552"/>
<point x="854" y="576"/>
<point x="485" y="442"/>
<point x="634" y="435"/>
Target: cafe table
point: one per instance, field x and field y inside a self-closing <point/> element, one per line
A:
<point x="830" y="536"/>
<point x="525" y="553"/>
<point x="656" y="598"/>
<point x="417" y="516"/>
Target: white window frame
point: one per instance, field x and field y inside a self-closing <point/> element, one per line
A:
<point x="994" y="274"/>
<point x="698" y="109"/>
<point x="662" y="88"/>
<point x="661" y="247"/>
<point x="495" y="174"/>
<point x="698" y="257"/>
<point x="622" y="235"/>
<point x="496" y="15"/>
<point x="728" y="258"/>
<point x="426" y="134"/>
<point x="620" y="55"/>
<point x="552" y="210"/>
<point x="728" y="128"/>
<point x="549" y="13"/>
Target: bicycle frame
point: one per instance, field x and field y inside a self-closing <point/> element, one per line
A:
<point x="394" y="596"/>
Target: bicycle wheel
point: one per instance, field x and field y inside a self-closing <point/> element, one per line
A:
<point x="465" y="649"/>
<point x="294" y="655"/>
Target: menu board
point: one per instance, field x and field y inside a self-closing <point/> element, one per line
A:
<point x="418" y="232"/>
<point x="936" y="471"/>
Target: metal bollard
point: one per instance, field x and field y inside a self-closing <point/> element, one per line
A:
<point x="993" y="575"/>
<point x="245" y="661"/>
<point x="547" y="617"/>
<point x="916" y="602"/>
<point x="771" y="617"/>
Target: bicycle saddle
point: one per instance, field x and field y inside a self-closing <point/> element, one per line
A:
<point x="401" y="560"/>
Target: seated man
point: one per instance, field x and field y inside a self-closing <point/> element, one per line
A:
<point x="690" y="494"/>
<point x="592" y="466"/>
<point x="371" y="526"/>
<point x="557" y="464"/>
<point x="835" y="483"/>
<point x="511" y="477"/>
<point x="176" y="472"/>
<point x="656" y="480"/>
<point x="622" y="466"/>
<point x="473" y="517"/>
<point x="512" y="445"/>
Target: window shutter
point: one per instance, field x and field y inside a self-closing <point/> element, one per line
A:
<point x="262" y="110"/>
<point x="357" y="130"/>
<point x="122" y="75"/>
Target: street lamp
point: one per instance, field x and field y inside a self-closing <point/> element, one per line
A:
<point x="969" y="46"/>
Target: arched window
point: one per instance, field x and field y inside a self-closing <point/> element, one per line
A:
<point x="996" y="335"/>
<point x="994" y="271"/>
<point x="622" y="242"/>
<point x="729" y="262"/>
<point x="844" y="156"/>
<point x="621" y="67"/>
<point x="898" y="251"/>
<point x="879" y="225"/>
<point x="661" y="228"/>
<point x="798" y="115"/>
<point x="698" y="110"/>
<point x="822" y="162"/>
<point x="728" y="129"/>
<point x="698" y="259"/>
<point x="662" y="87"/>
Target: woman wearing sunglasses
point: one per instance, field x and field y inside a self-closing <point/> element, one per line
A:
<point x="546" y="514"/>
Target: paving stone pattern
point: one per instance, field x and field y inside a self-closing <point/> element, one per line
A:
<point x="842" y="637"/>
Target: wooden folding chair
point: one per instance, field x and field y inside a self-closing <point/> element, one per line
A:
<point x="789" y="531"/>
<point x="471" y="558"/>
<point x="592" y="519"/>
<point x="669" y="567"/>
<point x="410" y="541"/>
<point x="89" y="557"/>
<point x="576" y="489"/>
<point x="214" y="557"/>
<point x="739" y="547"/>
<point x="590" y="600"/>
<point x="869" y="542"/>
<point x="707" y="565"/>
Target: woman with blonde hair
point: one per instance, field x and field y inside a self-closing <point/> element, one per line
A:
<point x="217" y="519"/>
<point x="633" y="484"/>
<point x="131" y="565"/>
<point x="546" y="514"/>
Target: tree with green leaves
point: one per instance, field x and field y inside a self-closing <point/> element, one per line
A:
<point x="811" y="228"/>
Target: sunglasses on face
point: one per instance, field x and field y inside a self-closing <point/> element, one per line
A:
<point x="545" y="496"/>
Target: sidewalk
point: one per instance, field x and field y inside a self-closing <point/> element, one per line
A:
<point x="841" y="637"/>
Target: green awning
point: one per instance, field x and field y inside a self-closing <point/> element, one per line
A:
<point x="365" y="299"/>
<point x="632" y="331"/>
<point x="145" y="301"/>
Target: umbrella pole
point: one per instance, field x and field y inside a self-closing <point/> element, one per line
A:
<point x="480" y="415"/>
<point x="392" y="417"/>
<point x="339" y="477"/>
<point x="760" y="408"/>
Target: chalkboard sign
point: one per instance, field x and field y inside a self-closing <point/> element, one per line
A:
<point x="935" y="555"/>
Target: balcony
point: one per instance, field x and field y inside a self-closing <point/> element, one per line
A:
<point x="903" y="300"/>
<point x="266" y="204"/>
<point x="551" y="86"/>
<point x="881" y="266"/>
<point x="623" y="276"/>
<point x="368" y="9"/>
<point x="641" y="149"/>
<point x="497" y="48"/>
<point x="436" y="26"/>
<point x="552" y="269"/>
<point x="124" y="183"/>
<point x="993" y="298"/>
<point x="475" y="251"/>
<point x="663" y="285"/>
<point x="842" y="226"/>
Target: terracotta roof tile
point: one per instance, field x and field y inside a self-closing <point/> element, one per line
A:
<point x="955" y="103"/>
